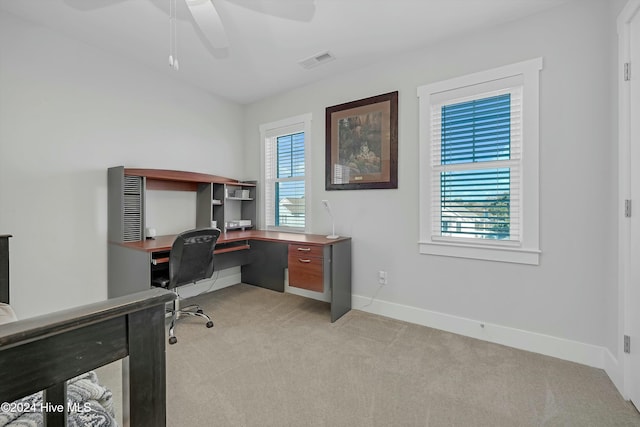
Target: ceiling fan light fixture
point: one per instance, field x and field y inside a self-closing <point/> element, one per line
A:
<point x="316" y="60"/>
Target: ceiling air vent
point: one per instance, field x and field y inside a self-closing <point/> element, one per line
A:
<point x="315" y="60"/>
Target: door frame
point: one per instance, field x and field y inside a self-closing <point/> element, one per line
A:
<point x="630" y="10"/>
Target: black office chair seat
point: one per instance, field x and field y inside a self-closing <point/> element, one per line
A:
<point x="190" y="260"/>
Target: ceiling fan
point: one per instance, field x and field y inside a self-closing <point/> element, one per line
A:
<point x="206" y="19"/>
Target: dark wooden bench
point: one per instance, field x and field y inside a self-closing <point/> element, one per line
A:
<point x="42" y="353"/>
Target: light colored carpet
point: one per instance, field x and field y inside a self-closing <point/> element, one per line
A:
<point x="275" y="359"/>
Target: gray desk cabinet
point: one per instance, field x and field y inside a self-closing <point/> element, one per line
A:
<point x="129" y="270"/>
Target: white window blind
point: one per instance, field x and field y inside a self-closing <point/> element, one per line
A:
<point x="476" y="147"/>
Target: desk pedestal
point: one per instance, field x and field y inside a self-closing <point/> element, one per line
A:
<point x="267" y="261"/>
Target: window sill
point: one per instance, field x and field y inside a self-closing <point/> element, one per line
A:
<point x="488" y="253"/>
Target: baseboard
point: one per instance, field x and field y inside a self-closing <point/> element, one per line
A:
<point x="574" y="351"/>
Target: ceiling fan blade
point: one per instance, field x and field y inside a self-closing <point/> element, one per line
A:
<point x="207" y="18"/>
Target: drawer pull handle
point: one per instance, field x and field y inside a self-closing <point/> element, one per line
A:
<point x="306" y="261"/>
<point x="304" y="249"/>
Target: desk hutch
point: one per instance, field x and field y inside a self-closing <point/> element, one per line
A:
<point x="315" y="263"/>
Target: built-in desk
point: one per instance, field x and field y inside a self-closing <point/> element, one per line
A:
<point x="314" y="262"/>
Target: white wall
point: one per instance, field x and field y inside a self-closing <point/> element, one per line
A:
<point x="568" y="296"/>
<point x="67" y="113"/>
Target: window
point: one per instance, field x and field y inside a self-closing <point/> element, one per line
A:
<point x="285" y="173"/>
<point x="479" y="165"/>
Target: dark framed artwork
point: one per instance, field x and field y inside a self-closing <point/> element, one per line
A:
<point x="362" y="144"/>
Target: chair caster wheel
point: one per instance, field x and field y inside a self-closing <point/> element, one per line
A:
<point x="199" y="311"/>
<point x="173" y="340"/>
<point x="209" y="324"/>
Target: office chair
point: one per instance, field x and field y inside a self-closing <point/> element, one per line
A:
<point x="190" y="260"/>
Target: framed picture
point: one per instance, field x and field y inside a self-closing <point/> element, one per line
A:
<point x="362" y="144"/>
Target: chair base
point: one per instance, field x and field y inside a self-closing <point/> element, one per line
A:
<point x="193" y="310"/>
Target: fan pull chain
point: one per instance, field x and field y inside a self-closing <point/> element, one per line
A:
<point x="173" y="45"/>
<point x="171" y="33"/>
<point x="176" y="64"/>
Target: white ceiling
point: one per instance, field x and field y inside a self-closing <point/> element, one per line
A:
<point x="264" y="45"/>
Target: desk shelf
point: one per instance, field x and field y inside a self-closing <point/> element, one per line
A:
<point x="232" y="208"/>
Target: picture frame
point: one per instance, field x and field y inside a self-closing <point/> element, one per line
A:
<point x="362" y="144"/>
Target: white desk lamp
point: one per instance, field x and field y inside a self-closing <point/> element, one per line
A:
<point x="333" y="235"/>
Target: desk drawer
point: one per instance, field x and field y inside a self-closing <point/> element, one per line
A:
<point x="306" y="267"/>
<point x="305" y="251"/>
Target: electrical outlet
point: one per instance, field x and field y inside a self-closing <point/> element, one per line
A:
<point x="382" y="277"/>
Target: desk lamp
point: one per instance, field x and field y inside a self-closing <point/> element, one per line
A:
<point x="333" y="235"/>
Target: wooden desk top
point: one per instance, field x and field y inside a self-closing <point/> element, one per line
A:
<point x="163" y="243"/>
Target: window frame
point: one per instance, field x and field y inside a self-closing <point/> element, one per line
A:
<point x="269" y="133"/>
<point x="526" y="250"/>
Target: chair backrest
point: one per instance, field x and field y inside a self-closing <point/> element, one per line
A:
<point x="191" y="257"/>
